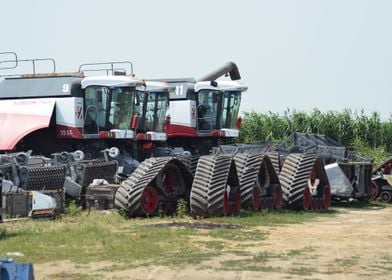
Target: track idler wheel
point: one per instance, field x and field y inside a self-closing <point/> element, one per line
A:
<point x="385" y="196"/>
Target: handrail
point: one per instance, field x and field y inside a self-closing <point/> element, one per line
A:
<point x="17" y="63"/>
<point x="111" y="68"/>
<point x="8" y="61"/>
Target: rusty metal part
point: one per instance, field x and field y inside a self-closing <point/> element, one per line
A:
<point x="42" y="213"/>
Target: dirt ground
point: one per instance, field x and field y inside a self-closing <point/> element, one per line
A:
<point x="355" y="244"/>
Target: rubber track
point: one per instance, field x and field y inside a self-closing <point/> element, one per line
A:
<point x="209" y="185"/>
<point x="128" y="195"/>
<point x="294" y="176"/>
<point x="248" y="166"/>
<point x="190" y="162"/>
<point x="274" y="157"/>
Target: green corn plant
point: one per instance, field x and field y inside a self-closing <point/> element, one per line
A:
<point x="348" y="127"/>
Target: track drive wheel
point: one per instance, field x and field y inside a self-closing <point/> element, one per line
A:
<point x="149" y="200"/>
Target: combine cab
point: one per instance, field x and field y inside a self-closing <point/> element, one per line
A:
<point x="204" y="114"/>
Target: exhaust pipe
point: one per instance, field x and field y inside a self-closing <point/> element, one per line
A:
<point x="229" y="67"/>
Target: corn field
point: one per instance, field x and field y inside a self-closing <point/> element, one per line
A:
<point x="355" y="130"/>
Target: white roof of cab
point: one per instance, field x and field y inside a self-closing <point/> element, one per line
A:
<point x="111" y="81"/>
<point x="221" y="85"/>
<point x="154" y="86"/>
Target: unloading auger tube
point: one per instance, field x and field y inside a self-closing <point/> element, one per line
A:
<point x="215" y="189"/>
<point x="304" y="182"/>
<point x="229" y="67"/>
<point x="156" y="184"/>
<point x="260" y="186"/>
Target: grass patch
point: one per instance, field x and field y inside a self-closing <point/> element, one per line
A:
<point x="78" y="276"/>
<point x="237" y="235"/>
<point x="255" y="263"/>
<point x="357" y="204"/>
<point x="170" y="241"/>
<point x="249" y="218"/>
<point x="305" y="271"/>
<point x="213" y="244"/>
<point x="100" y="237"/>
<point x="347" y="261"/>
<point x="297" y="252"/>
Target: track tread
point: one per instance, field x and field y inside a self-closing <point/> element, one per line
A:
<point x="209" y="184"/>
<point x="128" y="195"/>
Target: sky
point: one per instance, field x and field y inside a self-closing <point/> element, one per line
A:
<point x="297" y="55"/>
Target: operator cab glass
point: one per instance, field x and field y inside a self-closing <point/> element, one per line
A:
<point x="108" y="108"/>
<point x="156" y="106"/>
<point x="207" y="109"/>
<point x="230" y="109"/>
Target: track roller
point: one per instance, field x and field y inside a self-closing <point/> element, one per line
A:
<point x="155" y="185"/>
<point x="305" y="183"/>
<point x="215" y="189"/>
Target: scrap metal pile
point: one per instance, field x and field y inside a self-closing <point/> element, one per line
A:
<point x="173" y="139"/>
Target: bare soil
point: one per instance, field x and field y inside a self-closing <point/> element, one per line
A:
<point x="355" y="244"/>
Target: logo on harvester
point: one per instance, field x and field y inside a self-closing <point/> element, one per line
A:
<point x="79" y="112"/>
<point x="193" y="113"/>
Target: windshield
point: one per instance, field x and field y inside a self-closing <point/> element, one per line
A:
<point x="108" y="108"/>
<point x="157" y="104"/>
<point x="230" y="109"/>
<point x="207" y="109"/>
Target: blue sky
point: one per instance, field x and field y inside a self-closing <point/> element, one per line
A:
<point x="292" y="54"/>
